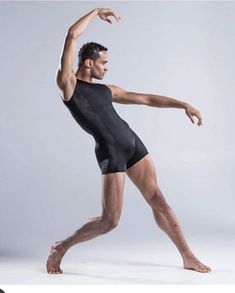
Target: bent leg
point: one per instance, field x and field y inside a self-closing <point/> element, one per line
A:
<point x="143" y="175"/>
<point x="112" y="199"/>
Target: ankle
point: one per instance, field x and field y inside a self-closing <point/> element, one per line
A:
<point x="187" y="254"/>
<point x="61" y="245"/>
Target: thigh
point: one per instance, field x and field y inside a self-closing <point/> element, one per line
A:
<point x="143" y="175"/>
<point x="112" y="194"/>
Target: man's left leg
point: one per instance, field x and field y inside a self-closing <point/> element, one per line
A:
<point x="143" y="175"/>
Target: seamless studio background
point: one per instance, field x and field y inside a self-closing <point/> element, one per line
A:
<point x="50" y="180"/>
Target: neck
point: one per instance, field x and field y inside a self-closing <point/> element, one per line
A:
<point x="81" y="74"/>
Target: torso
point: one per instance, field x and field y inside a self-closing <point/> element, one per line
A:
<point x="91" y="106"/>
<point x="115" y="142"/>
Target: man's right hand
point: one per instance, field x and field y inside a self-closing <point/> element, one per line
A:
<point x="104" y="13"/>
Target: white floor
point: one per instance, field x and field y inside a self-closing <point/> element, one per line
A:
<point x="149" y="263"/>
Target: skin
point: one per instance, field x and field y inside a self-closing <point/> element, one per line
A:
<point x="142" y="174"/>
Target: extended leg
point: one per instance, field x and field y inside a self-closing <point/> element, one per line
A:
<point x="112" y="198"/>
<point x="143" y="175"/>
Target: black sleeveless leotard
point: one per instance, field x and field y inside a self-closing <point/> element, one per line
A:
<point x="117" y="147"/>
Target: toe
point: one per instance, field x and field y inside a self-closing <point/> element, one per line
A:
<point x="55" y="271"/>
<point x="206" y="269"/>
<point x="203" y="269"/>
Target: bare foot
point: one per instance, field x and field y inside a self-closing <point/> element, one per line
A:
<point x="55" y="257"/>
<point x="192" y="263"/>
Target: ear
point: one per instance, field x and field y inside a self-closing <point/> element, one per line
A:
<point x="89" y="62"/>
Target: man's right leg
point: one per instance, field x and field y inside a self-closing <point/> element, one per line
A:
<point x="112" y="199"/>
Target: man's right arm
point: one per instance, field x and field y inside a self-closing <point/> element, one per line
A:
<point x="65" y="70"/>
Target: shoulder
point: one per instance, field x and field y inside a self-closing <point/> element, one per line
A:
<point x="116" y="90"/>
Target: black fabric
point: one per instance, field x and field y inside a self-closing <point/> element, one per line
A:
<point x="117" y="145"/>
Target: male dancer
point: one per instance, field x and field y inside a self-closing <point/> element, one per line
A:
<point x="119" y="151"/>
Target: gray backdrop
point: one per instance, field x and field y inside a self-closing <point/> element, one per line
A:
<point x="50" y="180"/>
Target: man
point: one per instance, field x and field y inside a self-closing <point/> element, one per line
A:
<point x="119" y="151"/>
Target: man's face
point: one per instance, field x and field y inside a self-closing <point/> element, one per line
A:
<point x="99" y="67"/>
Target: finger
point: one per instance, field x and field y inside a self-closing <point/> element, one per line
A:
<point x="199" y="122"/>
<point x="191" y="118"/>
<point x="117" y="17"/>
<point x="199" y="118"/>
<point x="108" y="20"/>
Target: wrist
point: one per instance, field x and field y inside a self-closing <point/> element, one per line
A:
<point x="96" y="11"/>
<point x="184" y="105"/>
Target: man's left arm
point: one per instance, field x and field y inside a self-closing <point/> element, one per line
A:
<point x="122" y="96"/>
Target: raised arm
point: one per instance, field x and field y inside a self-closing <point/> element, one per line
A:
<point x="65" y="70"/>
<point x="122" y="96"/>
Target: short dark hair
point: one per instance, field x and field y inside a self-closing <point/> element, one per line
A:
<point x="90" y="50"/>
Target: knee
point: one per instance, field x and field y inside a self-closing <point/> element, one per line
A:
<point x="158" y="202"/>
<point x="108" y="224"/>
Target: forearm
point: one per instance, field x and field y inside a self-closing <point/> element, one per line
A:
<point x="79" y="26"/>
<point x="165" y="102"/>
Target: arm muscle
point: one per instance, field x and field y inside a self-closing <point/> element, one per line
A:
<point x="122" y="96"/>
<point x="65" y="70"/>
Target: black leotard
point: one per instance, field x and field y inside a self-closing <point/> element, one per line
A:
<point x="117" y="146"/>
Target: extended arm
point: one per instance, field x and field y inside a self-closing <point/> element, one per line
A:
<point x="65" y="71"/>
<point x="122" y="96"/>
<point x="166" y="102"/>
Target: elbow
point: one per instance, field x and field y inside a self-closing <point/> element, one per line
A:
<point x="72" y="34"/>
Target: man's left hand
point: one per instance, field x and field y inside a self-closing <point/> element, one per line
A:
<point x="190" y="112"/>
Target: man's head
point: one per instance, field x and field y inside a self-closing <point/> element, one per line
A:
<point x="93" y="58"/>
